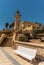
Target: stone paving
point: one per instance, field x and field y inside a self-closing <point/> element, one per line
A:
<point x="8" y="57"/>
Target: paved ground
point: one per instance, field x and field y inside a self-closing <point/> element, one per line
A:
<point x="8" y="57"/>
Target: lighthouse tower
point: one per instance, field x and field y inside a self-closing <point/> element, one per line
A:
<point x="17" y="20"/>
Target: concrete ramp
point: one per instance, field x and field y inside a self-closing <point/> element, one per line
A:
<point x="6" y="42"/>
<point x="3" y="36"/>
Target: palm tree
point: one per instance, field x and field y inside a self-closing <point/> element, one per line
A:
<point x="6" y="25"/>
<point x="11" y="25"/>
<point x="36" y="22"/>
<point x="3" y="28"/>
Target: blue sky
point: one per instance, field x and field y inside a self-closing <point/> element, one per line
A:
<point x="31" y="10"/>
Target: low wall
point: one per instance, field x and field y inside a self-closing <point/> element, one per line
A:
<point x="38" y="47"/>
<point x="8" y="33"/>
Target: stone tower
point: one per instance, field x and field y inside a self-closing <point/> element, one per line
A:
<point x="17" y="20"/>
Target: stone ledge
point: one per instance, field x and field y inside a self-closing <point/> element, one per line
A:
<point x="30" y="44"/>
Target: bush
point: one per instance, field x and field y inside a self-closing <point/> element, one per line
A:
<point x="23" y="38"/>
<point x="33" y="33"/>
<point x="27" y="34"/>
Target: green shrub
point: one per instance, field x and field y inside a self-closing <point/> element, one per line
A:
<point x="23" y="38"/>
